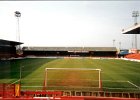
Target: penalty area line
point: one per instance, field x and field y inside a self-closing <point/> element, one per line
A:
<point x="15" y="81"/>
<point x="133" y="84"/>
<point x="31" y="86"/>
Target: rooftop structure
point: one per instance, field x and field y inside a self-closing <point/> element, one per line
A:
<point x="9" y="43"/>
<point x="69" y="49"/>
<point x="135" y="29"/>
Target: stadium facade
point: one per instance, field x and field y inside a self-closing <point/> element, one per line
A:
<point x="71" y="51"/>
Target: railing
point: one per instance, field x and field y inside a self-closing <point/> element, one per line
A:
<point x="80" y="94"/>
<point x="102" y="94"/>
<point x="12" y="90"/>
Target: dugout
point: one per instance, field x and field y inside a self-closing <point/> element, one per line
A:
<point x="70" y="51"/>
<point x="8" y="48"/>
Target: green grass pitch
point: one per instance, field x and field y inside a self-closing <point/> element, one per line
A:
<point x="116" y="75"/>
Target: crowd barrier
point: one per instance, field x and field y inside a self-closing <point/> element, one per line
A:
<point x="13" y="91"/>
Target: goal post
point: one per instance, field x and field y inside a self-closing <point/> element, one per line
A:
<point x="72" y="77"/>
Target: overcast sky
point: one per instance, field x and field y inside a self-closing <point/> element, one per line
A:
<point x="69" y="23"/>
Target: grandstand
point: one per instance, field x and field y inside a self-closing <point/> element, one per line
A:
<point x="8" y="48"/>
<point x="71" y="51"/>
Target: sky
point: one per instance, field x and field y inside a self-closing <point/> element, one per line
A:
<point x="69" y="23"/>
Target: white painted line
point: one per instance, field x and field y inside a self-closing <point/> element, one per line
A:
<point x="115" y="81"/>
<point x="133" y="84"/>
<point x="15" y="82"/>
<point x="119" y="88"/>
<point x="31" y="86"/>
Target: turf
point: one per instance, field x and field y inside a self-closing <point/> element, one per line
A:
<point x="116" y="75"/>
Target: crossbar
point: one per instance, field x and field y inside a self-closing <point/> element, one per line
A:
<point x="72" y="69"/>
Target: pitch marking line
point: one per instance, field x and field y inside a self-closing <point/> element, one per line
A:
<point x="15" y="81"/>
<point x="31" y="86"/>
<point x="114" y="81"/>
<point x="133" y="84"/>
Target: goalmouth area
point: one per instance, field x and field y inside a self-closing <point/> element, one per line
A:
<point x="72" y="78"/>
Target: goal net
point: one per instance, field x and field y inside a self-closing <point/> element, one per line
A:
<point x="72" y="78"/>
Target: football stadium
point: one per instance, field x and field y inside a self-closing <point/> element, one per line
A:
<point x="69" y="73"/>
<point x="55" y="72"/>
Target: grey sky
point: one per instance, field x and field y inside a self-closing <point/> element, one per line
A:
<point x="69" y="23"/>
